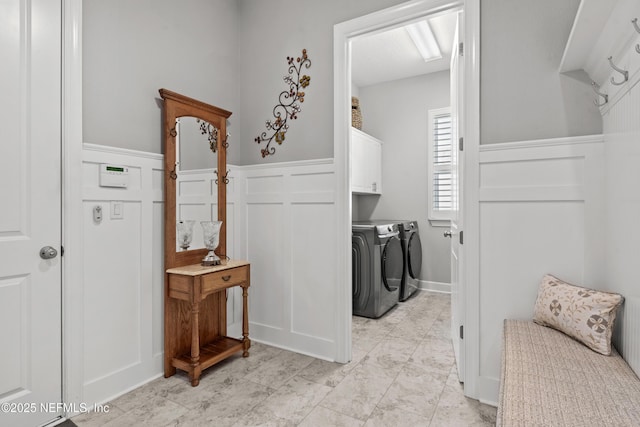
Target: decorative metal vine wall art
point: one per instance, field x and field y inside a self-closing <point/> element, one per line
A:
<point x="211" y="132"/>
<point x="288" y="106"/>
<point x="207" y="128"/>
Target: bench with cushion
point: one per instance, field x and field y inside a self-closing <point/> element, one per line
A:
<point x="551" y="379"/>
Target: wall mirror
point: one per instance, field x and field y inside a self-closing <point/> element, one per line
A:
<point x="195" y="138"/>
<point x="196" y="150"/>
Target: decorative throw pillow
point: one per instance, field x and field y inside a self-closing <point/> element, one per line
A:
<point x="584" y="314"/>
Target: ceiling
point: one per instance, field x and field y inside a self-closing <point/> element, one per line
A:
<point x="392" y="55"/>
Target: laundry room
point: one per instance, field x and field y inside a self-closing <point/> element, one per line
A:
<point x="401" y="146"/>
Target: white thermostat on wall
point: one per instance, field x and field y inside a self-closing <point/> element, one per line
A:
<point x="114" y="176"/>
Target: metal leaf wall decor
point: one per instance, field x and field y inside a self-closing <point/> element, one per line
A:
<point x="208" y="129"/>
<point x="288" y="106"/>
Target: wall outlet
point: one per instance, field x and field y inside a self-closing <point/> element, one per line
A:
<point x="117" y="210"/>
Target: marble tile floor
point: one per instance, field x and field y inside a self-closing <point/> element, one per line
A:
<point x="402" y="374"/>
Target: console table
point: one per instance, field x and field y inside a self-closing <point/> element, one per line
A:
<point x="196" y="316"/>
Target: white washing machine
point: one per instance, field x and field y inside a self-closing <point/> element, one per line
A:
<point x="377" y="267"/>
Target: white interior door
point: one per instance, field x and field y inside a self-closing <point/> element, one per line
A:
<point x="457" y="278"/>
<point x="30" y="211"/>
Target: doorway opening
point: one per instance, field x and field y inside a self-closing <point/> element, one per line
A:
<point x="346" y="36"/>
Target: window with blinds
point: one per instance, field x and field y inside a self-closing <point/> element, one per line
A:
<point x="440" y="167"/>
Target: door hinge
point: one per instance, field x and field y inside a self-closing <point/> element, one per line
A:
<point x="461" y="332"/>
<point x="461" y="49"/>
<point x="462" y="237"/>
<point x="461" y="144"/>
<point x="61" y="250"/>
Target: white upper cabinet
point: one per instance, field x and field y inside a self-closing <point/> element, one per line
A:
<point x="366" y="163"/>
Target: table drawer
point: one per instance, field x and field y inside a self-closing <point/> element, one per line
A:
<point x="224" y="279"/>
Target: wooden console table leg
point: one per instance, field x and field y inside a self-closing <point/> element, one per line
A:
<point x="246" y="342"/>
<point x="169" y="331"/>
<point x="195" y="370"/>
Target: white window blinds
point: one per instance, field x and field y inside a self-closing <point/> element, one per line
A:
<point x="440" y="166"/>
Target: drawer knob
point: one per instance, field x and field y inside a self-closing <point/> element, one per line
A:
<point x="226" y="278"/>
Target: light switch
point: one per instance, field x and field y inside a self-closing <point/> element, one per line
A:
<point x="117" y="210"/>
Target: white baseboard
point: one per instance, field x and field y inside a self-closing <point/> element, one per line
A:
<point x="488" y="390"/>
<point x="426" y="285"/>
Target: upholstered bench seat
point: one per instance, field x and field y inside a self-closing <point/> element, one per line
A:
<point x="549" y="379"/>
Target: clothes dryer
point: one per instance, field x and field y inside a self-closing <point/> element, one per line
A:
<point x="412" y="250"/>
<point x="376" y="269"/>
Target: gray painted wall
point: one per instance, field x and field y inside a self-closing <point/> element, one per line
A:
<point x="272" y="30"/>
<point x="231" y="53"/>
<point x="522" y="95"/>
<point x="396" y="113"/>
<point x="133" y="48"/>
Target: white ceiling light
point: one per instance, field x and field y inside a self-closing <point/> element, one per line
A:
<point x="422" y="36"/>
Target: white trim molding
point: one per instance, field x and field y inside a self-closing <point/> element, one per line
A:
<point x="426" y="285"/>
<point x="72" y="268"/>
<point x="121" y="151"/>
<point x="469" y="251"/>
<point x="280" y="165"/>
<point x="548" y="142"/>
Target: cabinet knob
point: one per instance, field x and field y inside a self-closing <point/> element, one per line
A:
<point x="226" y="278"/>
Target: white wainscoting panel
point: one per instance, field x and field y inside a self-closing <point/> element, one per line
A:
<point x="622" y="146"/>
<point x="157" y="292"/>
<point x="123" y="280"/>
<point x="309" y="284"/>
<point x="541" y="211"/>
<point x="289" y="221"/>
<point x="627" y="332"/>
<point x="279" y="211"/>
<point x="196" y="199"/>
<point x="266" y="236"/>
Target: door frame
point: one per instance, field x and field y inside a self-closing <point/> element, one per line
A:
<point x="342" y="36"/>
<point x="72" y="270"/>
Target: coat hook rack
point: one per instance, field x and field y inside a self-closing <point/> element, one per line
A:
<point x="595" y="88"/>
<point x="620" y="70"/>
<point x="173" y="175"/>
<point x="635" y="25"/>
<point x="225" y="143"/>
<point x="225" y="178"/>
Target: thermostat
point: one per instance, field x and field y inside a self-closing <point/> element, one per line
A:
<point x="114" y="176"/>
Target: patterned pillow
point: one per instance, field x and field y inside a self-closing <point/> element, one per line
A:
<point x="584" y="314"/>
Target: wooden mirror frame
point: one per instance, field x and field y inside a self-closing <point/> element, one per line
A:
<point x="175" y="106"/>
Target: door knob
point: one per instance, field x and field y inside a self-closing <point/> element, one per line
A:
<point x="48" y="252"/>
<point x="448" y="233"/>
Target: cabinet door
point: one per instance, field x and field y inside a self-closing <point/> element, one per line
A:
<point x="357" y="163"/>
<point x="366" y="163"/>
<point x="374" y="176"/>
